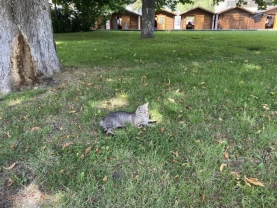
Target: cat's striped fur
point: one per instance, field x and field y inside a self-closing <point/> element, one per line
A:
<point x="119" y="119"/>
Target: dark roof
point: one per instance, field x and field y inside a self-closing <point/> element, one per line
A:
<point x="164" y="10"/>
<point x="127" y="11"/>
<point x="268" y="10"/>
<point x="225" y="10"/>
<point x="197" y="8"/>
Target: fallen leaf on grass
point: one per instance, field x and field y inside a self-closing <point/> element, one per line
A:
<point x="136" y="177"/>
<point x="8" y="134"/>
<point x="226" y="155"/>
<point x="10" y="182"/>
<point x="96" y="150"/>
<point x="259" y="131"/>
<point x="175" y="153"/>
<point x="162" y="129"/>
<point x="203" y="197"/>
<point x="143" y="78"/>
<point x="12" y="146"/>
<point x="87" y="150"/>
<point x="235" y="174"/>
<point x="171" y="100"/>
<point x="89" y="83"/>
<point x="222" y="166"/>
<point x="35" y="128"/>
<point x="254" y="181"/>
<point x="11" y="166"/>
<point x="105" y="179"/>
<point x="67" y="144"/>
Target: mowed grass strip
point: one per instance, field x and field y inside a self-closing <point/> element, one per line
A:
<point x="213" y="95"/>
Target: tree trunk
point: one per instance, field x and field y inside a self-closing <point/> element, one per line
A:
<point x="148" y="18"/>
<point x="27" y="48"/>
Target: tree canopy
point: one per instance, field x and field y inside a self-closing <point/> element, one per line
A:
<point x="76" y="15"/>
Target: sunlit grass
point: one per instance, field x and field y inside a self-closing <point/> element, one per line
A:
<point x="213" y="95"/>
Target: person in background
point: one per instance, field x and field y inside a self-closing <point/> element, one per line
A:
<point x="155" y="24"/>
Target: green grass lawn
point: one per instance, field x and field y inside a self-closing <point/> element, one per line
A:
<point x="214" y="97"/>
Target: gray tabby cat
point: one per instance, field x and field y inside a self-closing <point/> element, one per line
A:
<point x="119" y="119"/>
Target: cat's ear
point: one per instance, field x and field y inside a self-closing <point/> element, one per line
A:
<point x="146" y="104"/>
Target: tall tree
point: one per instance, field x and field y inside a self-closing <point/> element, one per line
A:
<point x="148" y="18"/>
<point x="27" y="48"/>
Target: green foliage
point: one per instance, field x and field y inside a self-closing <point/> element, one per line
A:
<point x="81" y="15"/>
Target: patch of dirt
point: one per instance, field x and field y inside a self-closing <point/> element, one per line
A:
<point x="10" y="181"/>
<point x="30" y="197"/>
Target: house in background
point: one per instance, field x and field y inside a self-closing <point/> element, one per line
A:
<point x="257" y="21"/>
<point x="197" y="18"/>
<point x="165" y="19"/>
<point x="271" y="18"/>
<point x="125" y="21"/>
<point x="234" y="18"/>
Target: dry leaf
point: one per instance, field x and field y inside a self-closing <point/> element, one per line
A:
<point x="162" y="129"/>
<point x="226" y="155"/>
<point x="10" y="182"/>
<point x="197" y="141"/>
<point x="136" y="177"/>
<point x="11" y="166"/>
<point x="96" y="150"/>
<point x="253" y="181"/>
<point x="259" y="131"/>
<point x="222" y="166"/>
<point x="35" y="128"/>
<point x="174" y="161"/>
<point x="175" y="153"/>
<point x="171" y="100"/>
<point x="42" y="196"/>
<point x="105" y="179"/>
<point x="67" y="144"/>
<point x="235" y="174"/>
<point x="143" y="80"/>
<point x="61" y="171"/>
<point x="246" y="182"/>
<point x="12" y="146"/>
<point x="87" y="150"/>
<point x="203" y="197"/>
<point x="8" y="134"/>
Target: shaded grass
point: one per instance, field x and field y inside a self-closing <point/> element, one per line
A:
<point x="224" y="101"/>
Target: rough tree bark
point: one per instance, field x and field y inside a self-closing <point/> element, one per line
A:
<point x="27" y="48"/>
<point x="148" y="18"/>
